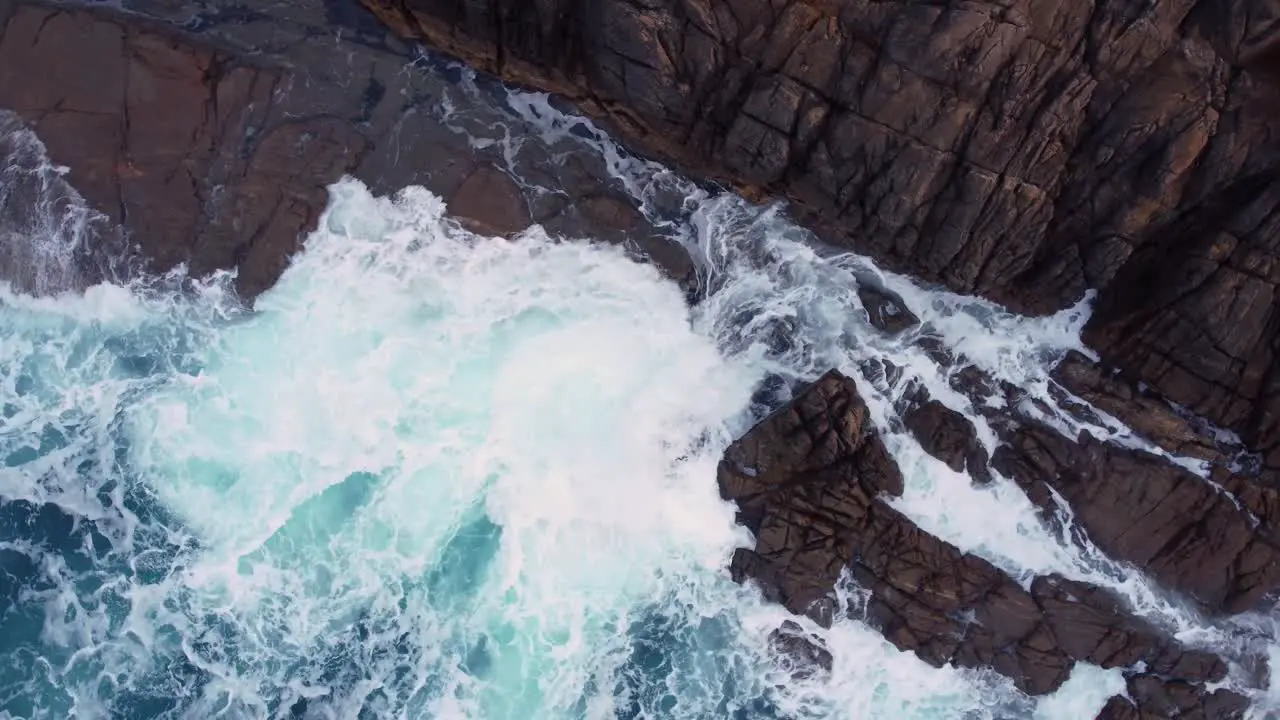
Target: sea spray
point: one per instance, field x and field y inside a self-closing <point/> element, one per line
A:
<point x="431" y="474"/>
<point x="436" y="475"/>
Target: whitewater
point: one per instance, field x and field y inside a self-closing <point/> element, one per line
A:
<point x="437" y="475"/>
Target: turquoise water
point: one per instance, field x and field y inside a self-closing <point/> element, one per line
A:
<point x="435" y="475"/>
<point x="429" y="475"/>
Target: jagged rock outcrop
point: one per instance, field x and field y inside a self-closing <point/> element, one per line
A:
<point x="211" y="134"/>
<point x="1024" y="150"/>
<point x="1137" y="507"/>
<point x="946" y="434"/>
<point x="802" y="652"/>
<point x="823" y="435"/>
<point x="1153" y="698"/>
<point x="1148" y="415"/>
<point x="810" y="481"/>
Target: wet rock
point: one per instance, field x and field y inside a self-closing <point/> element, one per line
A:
<point x="170" y="139"/>
<point x="985" y="147"/>
<point x="981" y="389"/>
<point x="1093" y="626"/>
<point x="810" y="481"/>
<point x="1019" y="150"/>
<point x="937" y="350"/>
<point x="1261" y="499"/>
<point x="1151" y="697"/>
<point x="886" y="310"/>
<point x="212" y="136"/>
<point x="822" y="435"/>
<point x="803" y="653"/>
<point x="674" y="261"/>
<point x="1142" y="509"/>
<point x="489" y="202"/>
<point x="1149" y="416"/>
<point x="1197" y="315"/>
<point x="947" y="435"/>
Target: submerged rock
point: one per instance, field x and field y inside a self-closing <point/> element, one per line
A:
<point x="886" y="310"/>
<point x="810" y="482"/>
<point x="804" y="654"/>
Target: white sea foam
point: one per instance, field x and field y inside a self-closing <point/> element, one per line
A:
<point x="436" y="475"/>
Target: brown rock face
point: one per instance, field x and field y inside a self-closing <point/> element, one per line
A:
<point x="155" y="138"/>
<point x="1142" y="509"/>
<point x="947" y="435"/>
<point x="1024" y="150"/>
<point x="1151" y="698"/>
<point x="809" y="482"/>
<point x="210" y="135"/>
<point x="1149" y="416"/>
<point x="801" y="528"/>
<point x="1021" y="150"/>
<point x="489" y="202"/>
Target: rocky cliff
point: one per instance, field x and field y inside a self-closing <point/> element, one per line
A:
<point x="812" y="482"/>
<point x="1025" y="150"/>
<point x="211" y="135"/>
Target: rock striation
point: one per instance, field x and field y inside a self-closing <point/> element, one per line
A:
<point x="811" y="482"/>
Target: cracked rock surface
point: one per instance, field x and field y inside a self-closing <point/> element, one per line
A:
<point x="811" y="482"/>
<point x="211" y="132"/>
<point x="1023" y="150"/>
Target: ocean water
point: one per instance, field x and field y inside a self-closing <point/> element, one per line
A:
<point x="437" y="475"/>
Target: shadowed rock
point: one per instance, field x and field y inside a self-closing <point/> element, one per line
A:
<point x="1149" y="416"/>
<point x="1153" y="698"/>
